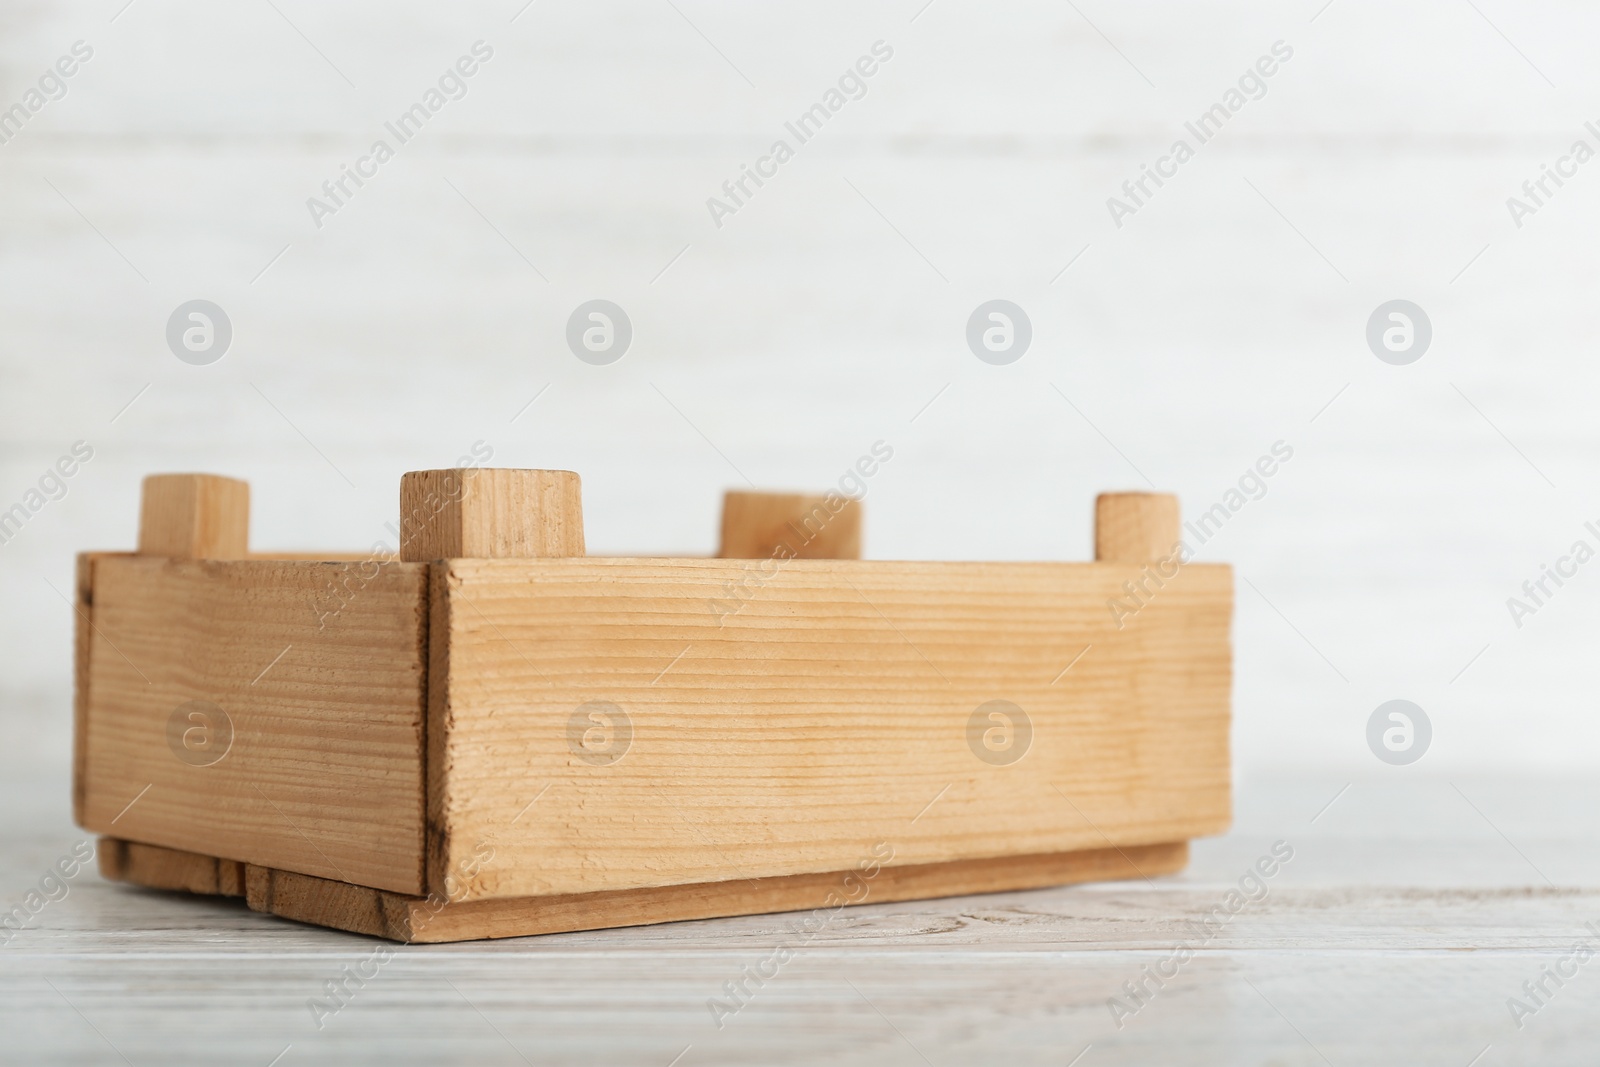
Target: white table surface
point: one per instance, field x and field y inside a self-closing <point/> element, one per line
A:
<point x="1414" y="907"/>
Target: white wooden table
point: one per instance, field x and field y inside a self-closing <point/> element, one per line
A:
<point x="1413" y="908"/>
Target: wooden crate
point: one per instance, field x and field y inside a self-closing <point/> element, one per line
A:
<point x="490" y="734"/>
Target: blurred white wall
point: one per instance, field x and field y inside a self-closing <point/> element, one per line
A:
<point x="824" y="315"/>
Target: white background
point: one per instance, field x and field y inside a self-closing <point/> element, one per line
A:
<point x="825" y="315"/>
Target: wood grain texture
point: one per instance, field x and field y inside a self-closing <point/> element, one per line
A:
<point x="1135" y="527"/>
<point x="194" y="516"/>
<point x="790" y="526"/>
<point x="490" y="513"/>
<point x="324" y="902"/>
<point x="168" y="868"/>
<point x="319" y="670"/>
<point x="605" y="726"/>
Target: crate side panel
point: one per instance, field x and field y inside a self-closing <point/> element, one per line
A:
<point x="615" y="724"/>
<point x="265" y="712"/>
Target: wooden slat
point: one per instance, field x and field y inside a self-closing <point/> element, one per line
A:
<point x="320" y="669"/>
<point x="307" y="898"/>
<point x="169" y="868"/>
<point x="83" y="627"/>
<point x="82" y="608"/>
<point x="326" y="902"/>
<point x="826" y="714"/>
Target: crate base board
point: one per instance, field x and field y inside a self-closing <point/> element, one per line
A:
<point x="380" y="913"/>
<point x="169" y="868"/>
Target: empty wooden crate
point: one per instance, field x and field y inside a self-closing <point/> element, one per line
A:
<point x="488" y="733"/>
